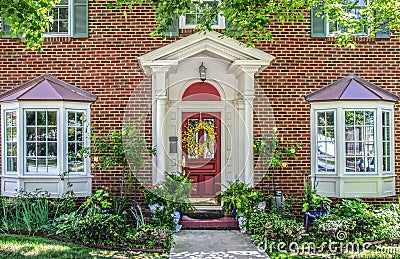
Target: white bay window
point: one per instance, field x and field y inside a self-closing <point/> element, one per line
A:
<point x="42" y="133"/>
<point x="352" y="135"/>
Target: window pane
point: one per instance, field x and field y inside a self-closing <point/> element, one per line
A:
<point x="75" y="141"/>
<point x="41" y="118"/>
<point x="325" y="142"/>
<point x="41" y="133"/>
<point x="30" y="133"/>
<point x="52" y="134"/>
<point x="360" y="141"/>
<point x="191" y="19"/>
<point x="41" y="145"/>
<point x="52" y="118"/>
<point x="60" y="18"/>
<point x="30" y="118"/>
<point x="330" y="119"/>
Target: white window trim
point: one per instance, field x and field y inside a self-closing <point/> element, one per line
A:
<point x="183" y="25"/>
<point x="59" y="141"/>
<point x="315" y="160"/>
<point x="69" y="33"/>
<point x="392" y="138"/>
<point x="333" y="34"/>
<point x="86" y="141"/>
<point x="344" y="185"/>
<point x="220" y="20"/>
<point x="4" y="158"/>
<point x="376" y="143"/>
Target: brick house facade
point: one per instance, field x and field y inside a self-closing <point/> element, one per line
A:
<point x="107" y="64"/>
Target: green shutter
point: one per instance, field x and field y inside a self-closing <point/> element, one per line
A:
<point x="383" y="33"/>
<point x="5" y="28"/>
<point x="318" y="24"/>
<point x="173" y="30"/>
<point x="80" y="13"/>
<point x="232" y="29"/>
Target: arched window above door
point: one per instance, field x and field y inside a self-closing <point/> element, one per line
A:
<point x="201" y="91"/>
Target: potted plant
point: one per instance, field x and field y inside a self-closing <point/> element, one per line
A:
<point x="314" y="205"/>
<point x="171" y="197"/>
<point x="99" y="202"/>
<point x="239" y="198"/>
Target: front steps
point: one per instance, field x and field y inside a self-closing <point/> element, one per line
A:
<point x="208" y="220"/>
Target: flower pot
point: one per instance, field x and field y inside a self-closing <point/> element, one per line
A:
<point x="234" y="213"/>
<point x="105" y="211"/>
<point x="242" y="224"/>
<point x="261" y="206"/>
<point x="312" y="215"/>
<point x="177" y="217"/>
<point x="154" y="207"/>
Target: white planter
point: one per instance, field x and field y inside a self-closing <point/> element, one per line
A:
<point x="154" y="207"/>
<point x="242" y="224"/>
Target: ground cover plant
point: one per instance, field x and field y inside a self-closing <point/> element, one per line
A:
<point x="102" y="220"/>
<point x="352" y="229"/>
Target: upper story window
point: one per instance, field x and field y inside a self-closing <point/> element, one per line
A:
<point x="61" y="19"/>
<point x="355" y="6"/>
<point x="352" y="143"/>
<point x="322" y="27"/>
<point x="192" y="19"/>
<point x="70" y="18"/>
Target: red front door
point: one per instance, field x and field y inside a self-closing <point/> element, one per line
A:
<point x="204" y="169"/>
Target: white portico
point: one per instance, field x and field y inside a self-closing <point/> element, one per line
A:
<point x="231" y="67"/>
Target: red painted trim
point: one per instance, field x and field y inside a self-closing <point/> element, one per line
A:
<point x="201" y="91"/>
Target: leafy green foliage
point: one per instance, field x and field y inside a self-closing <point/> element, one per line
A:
<point x="264" y="226"/>
<point x="101" y="229"/>
<point x="249" y="19"/>
<point x="173" y="193"/>
<point x="148" y="236"/>
<point x="240" y="197"/>
<point x="274" y="149"/>
<point x="28" y="19"/>
<point x="123" y="147"/>
<point x="312" y="200"/>
<point x="28" y="212"/>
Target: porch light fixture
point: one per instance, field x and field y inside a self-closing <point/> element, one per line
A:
<point x="202" y="72"/>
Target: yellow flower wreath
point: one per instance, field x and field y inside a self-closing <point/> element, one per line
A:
<point x="194" y="147"/>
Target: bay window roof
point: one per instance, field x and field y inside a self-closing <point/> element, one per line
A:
<point x="351" y="88"/>
<point x="47" y="87"/>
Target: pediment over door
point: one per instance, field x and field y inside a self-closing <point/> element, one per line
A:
<point x="211" y="44"/>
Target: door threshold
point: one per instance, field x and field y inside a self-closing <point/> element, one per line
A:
<point x="207" y="207"/>
<point x="205" y="203"/>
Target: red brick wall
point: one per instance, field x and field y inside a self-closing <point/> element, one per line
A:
<point x="106" y="64"/>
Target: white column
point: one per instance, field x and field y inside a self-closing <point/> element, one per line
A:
<point x="240" y="162"/>
<point x="159" y="85"/>
<point x="248" y="98"/>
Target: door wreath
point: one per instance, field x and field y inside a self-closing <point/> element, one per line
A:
<point x="195" y="147"/>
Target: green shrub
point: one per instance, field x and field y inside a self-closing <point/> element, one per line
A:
<point x="272" y="226"/>
<point x="148" y="236"/>
<point x="100" y="229"/>
<point x="328" y="227"/>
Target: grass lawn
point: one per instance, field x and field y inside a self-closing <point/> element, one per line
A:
<point x="20" y="246"/>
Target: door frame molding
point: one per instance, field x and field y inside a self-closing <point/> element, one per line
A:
<point x="198" y="106"/>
